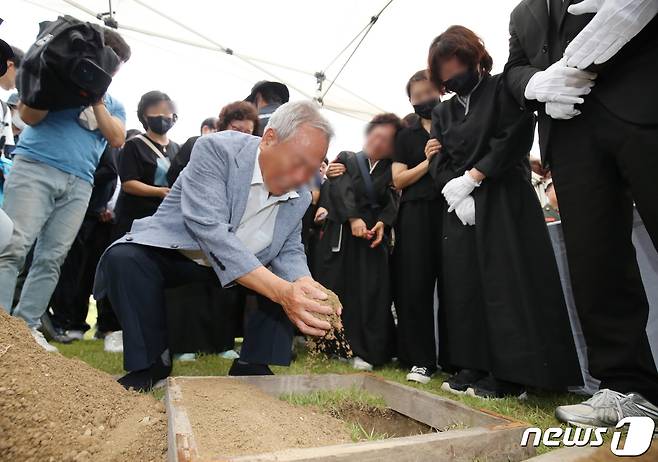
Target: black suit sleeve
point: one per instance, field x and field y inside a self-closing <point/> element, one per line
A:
<point x="341" y="190"/>
<point x="440" y="168"/>
<point x="518" y="69"/>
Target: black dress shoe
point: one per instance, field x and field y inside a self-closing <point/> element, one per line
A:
<point x="145" y="379"/>
<point x="239" y="368"/>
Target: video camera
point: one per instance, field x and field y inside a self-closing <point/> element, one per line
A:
<point x="68" y="66"/>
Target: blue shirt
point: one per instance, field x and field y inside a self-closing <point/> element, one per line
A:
<point x="61" y="142"/>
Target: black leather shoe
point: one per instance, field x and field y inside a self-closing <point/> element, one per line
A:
<point x="239" y="368"/>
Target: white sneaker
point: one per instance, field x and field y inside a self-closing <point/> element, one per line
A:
<point x="113" y="342"/>
<point x="186" y="357"/>
<point x="361" y="365"/>
<point x="75" y="334"/>
<point x="229" y="354"/>
<point x="41" y="340"/>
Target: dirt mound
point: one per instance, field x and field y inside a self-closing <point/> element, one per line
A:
<point x="58" y="409"/>
<point x="333" y="342"/>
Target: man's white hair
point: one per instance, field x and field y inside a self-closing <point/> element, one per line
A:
<point x="290" y="116"/>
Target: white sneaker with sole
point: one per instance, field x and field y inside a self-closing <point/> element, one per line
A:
<point x="41" y="340"/>
<point x="361" y="365"/>
<point x="419" y="374"/>
<point x="113" y="342"/>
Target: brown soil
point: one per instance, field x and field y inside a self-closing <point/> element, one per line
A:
<point x="334" y="341"/>
<point x="58" y="409"/>
<point x="382" y="422"/>
<point x="230" y="418"/>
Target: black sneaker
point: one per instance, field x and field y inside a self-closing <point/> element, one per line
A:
<point x="493" y="388"/>
<point x="420" y="374"/>
<point x="461" y="381"/>
<point x="240" y="368"/>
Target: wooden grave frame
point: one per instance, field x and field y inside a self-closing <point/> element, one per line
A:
<point x="488" y="437"/>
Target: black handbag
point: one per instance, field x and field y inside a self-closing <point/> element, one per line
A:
<point x="68" y="66"/>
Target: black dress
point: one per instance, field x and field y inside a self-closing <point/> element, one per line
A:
<point x="137" y="161"/>
<point x="347" y="265"/>
<point x="416" y="257"/>
<point x="501" y="297"/>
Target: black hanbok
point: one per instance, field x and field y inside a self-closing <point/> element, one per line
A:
<point x="357" y="273"/>
<point x="500" y="296"/>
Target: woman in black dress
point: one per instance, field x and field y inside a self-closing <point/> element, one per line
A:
<point x="144" y="162"/>
<point x="506" y="322"/>
<point x="353" y="251"/>
<point x="415" y="265"/>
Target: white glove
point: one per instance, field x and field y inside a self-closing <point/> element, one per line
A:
<point x="615" y="23"/>
<point x="458" y="188"/>
<point x="465" y="211"/>
<point x="561" y="111"/>
<point x="560" y="84"/>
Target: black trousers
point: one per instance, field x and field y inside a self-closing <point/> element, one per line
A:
<point x="137" y="278"/>
<point x="70" y="300"/>
<point x="601" y="165"/>
<point x="416" y="260"/>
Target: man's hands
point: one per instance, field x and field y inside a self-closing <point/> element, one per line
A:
<point x="561" y="111"/>
<point x="432" y="148"/>
<point x="458" y="189"/>
<point x="465" y="211"/>
<point x="616" y="22"/>
<point x="560" y="84"/>
<point x="298" y="300"/>
<point x="335" y="169"/>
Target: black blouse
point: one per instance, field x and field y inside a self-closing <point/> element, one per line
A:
<point x="349" y="197"/>
<point x="494" y="136"/>
<point x="410" y="150"/>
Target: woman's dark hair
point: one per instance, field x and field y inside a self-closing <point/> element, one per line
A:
<point x="461" y="42"/>
<point x="117" y="43"/>
<point x="150" y="99"/>
<point x="419" y="76"/>
<point x="387" y="118"/>
<point x="239" y="110"/>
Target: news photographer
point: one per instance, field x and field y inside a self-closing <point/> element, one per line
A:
<point x="47" y="193"/>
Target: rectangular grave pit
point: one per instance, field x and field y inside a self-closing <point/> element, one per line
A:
<point x="488" y="437"/>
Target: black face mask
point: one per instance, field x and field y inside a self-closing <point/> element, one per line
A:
<point x="160" y="124"/>
<point x="463" y="83"/>
<point x="424" y="109"/>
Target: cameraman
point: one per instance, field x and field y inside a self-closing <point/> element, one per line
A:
<point x="47" y="192"/>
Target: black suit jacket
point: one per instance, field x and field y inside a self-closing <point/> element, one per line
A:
<point x="626" y="84"/>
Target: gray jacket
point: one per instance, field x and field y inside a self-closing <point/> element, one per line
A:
<point x="205" y="206"/>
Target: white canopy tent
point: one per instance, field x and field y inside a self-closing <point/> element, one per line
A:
<point x="181" y="48"/>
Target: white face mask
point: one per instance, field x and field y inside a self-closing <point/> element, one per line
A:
<point x="16" y="121"/>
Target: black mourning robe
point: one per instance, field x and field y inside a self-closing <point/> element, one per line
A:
<point x="500" y="296"/>
<point x="358" y="274"/>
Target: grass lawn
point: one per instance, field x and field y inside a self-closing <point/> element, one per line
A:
<point x="537" y="410"/>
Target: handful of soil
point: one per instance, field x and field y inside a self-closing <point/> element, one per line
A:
<point x="334" y="341"/>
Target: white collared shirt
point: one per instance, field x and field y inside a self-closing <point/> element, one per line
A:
<point x="256" y="227"/>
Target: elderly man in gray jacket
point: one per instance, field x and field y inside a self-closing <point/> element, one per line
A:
<point x="234" y="217"/>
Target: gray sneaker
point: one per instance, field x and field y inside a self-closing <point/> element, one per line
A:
<point x="605" y="409"/>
